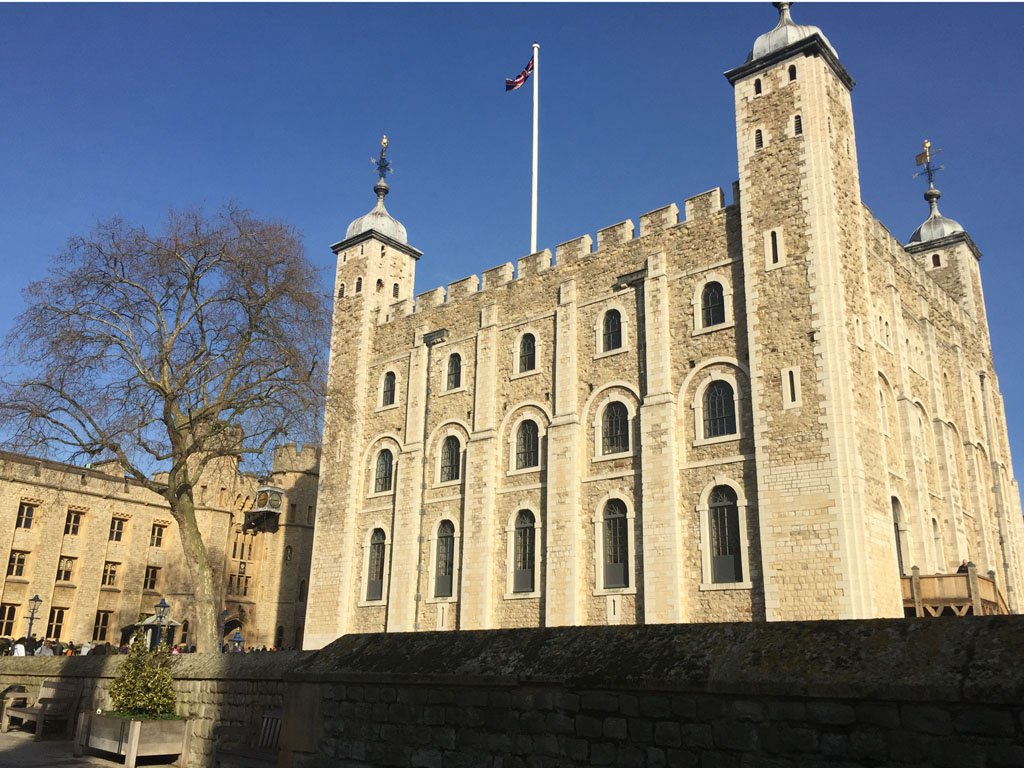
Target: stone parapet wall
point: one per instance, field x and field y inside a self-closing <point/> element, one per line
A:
<point x="865" y="693"/>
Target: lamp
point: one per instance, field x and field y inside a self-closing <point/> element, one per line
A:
<point x="237" y="639"/>
<point x="161" y="617"/>
<point x="34" y="604"/>
<point x="161" y="610"/>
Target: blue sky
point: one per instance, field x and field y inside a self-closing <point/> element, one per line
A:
<point x="129" y="110"/>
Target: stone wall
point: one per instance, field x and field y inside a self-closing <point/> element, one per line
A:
<point x="845" y="693"/>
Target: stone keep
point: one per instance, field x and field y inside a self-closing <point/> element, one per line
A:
<point x="770" y="410"/>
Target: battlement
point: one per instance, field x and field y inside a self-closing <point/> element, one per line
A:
<point x="292" y="457"/>
<point x="698" y="207"/>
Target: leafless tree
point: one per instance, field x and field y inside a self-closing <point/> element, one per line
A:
<point x="167" y="352"/>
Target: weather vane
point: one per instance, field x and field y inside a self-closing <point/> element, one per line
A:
<point x="925" y="159"/>
<point x="382" y="164"/>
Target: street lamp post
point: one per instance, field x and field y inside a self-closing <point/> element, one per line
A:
<point x="34" y="604"/>
<point x="237" y="639"/>
<point x="161" y="618"/>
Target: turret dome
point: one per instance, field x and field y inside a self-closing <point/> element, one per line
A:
<point x="936" y="226"/>
<point x="786" y="33"/>
<point x="379" y="220"/>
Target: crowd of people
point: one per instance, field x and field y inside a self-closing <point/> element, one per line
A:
<point x="31" y="646"/>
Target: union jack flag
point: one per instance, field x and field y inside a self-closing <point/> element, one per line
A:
<point x="517" y="81"/>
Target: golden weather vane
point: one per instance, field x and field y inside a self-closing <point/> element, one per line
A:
<point x="925" y="159"/>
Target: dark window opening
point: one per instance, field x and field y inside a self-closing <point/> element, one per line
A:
<point x="712" y="304"/>
<point x="616" y="543"/>
<point x="445" y="565"/>
<point x="527" y="352"/>
<point x="375" y="576"/>
<point x="525" y="552"/>
<point x="382" y="476"/>
<point x="719" y="410"/>
<point x="615" y="429"/>
<point x="726" y="562"/>
<point x="612" y="330"/>
<point x="451" y="458"/>
<point x="527" y="445"/>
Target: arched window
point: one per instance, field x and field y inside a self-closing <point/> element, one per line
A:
<point x="380" y="286"/>
<point x="387" y="395"/>
<point x="712" y="304"/>
<point x="525" y="552"/>
<point x="451" y="459"/>
<point x="757" y="86"/>
<point x="615" y="429"/>
<point x="384" y="472"/>
<point x="798" y="125"/>
<point x="773" y="237"/>
<point x="279" y="637"/>
<point x="302" y="591"/>
<point x="445" y="565"/>
<point x="936" y="261"/>
<point x="359" y="284"/>
<point x="792" y="71"/>
<point x="183" y="638"/>
<point x="454" y="371"/>
<point x="341" y="291"/>
<point x="724" y="519"/>
<point x="527" y="352"/>
<point x="616" y="542"/>
<point x="375" y="574"/>
<point x="612" y="327"/>
<point x="527" y="445"/>
<point x="288" y="553"/>
<point x="719" y="410"/>
<point x="394" y="290"/>
<point x="758" y="139"/>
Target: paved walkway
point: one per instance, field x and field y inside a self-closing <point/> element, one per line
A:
<point x="19" y="749"/>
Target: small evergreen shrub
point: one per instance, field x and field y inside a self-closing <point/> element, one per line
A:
<point x="144" y="688"/>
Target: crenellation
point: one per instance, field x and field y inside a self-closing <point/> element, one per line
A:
<point x="495" y="277"/>
<point x="704" y="204"/>
<point x="614" y="235"/>
<point x="464" y="287"/>
<point x="534" y="264"/>
<point x="430" y="299"/>
<point x="659" y="219"/>
<point x="572" y="250"/>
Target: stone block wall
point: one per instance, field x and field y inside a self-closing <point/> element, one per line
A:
<point x="852" y="693"/>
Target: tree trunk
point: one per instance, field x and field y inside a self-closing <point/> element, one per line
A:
<point x="206" y="601"/>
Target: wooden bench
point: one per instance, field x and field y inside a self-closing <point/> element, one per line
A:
<point x="57" y="700"/>
<point x="245" y="746"/>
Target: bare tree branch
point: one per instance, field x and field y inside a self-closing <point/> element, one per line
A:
<point x="168" y="351"/>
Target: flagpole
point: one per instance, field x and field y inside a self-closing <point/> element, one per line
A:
<point x="533" y="203"/>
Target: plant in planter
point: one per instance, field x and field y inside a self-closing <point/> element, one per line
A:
<point x="143" y="721"/>
<point x="144" y="689"/>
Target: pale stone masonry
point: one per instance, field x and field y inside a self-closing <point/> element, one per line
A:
<point x="789" y="408"/>
<point x="116" y="572"/>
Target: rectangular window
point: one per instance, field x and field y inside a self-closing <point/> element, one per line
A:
<point x="292" y="514"/>
<point x="150" y="580"/>
<point x="156" y="535"/>
<point x="109" y="574"/>
<point x="231" y="584"/>
<point x="309" y="515"/>
<point x="116" y="529"/>
<point x="56" y="623"/>
<point x="16" y="563"/>
<point x="26" y="512"/>
<point x="99" y="628"/>
<point x="65" y="568"/>
<point x="72" y="523"/>
<point x="8" y="612"/>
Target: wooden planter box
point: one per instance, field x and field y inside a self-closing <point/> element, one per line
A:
<point x="132" y="738"/>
